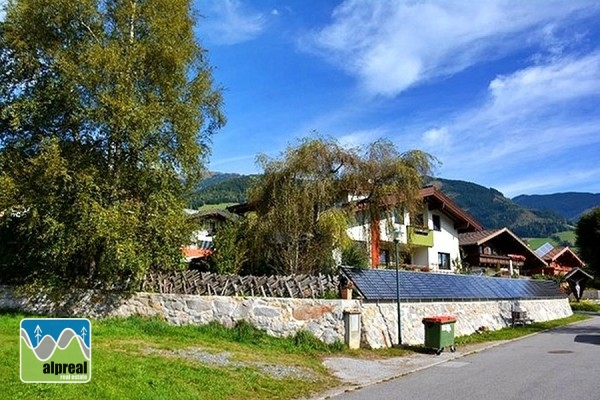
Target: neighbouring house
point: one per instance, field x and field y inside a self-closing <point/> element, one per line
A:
<point x="208" y="224"/>
<point x="559" y="260"/>
<point x="498" y="250"/>
<point x="428" y="241"/>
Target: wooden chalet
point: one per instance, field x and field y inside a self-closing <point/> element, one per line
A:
<point x="499" y="249"/>
<point x="559" y="261"/>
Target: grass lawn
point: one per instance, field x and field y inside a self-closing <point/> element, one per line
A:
<point x="518" y="331"/>
<point x="137" y="358"/>
<point x="568" y="236"/>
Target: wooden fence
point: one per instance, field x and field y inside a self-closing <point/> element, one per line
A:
<point x="211" y="284"/>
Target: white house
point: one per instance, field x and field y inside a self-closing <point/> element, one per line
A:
<point x="429" y="240"/>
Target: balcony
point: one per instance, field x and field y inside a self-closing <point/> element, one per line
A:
<point x="420" y="236"/>
<point x="492" y="260"/>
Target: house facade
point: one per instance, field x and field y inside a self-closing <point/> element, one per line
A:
<point x="208" y="224"/>
<point x="558" y="260"/>
<point x="498" y="250"/>
<point x="427" y="241"/>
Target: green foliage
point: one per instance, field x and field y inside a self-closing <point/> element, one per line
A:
<point x="307" y="342"/>
<point x="355" y="255"/>
<point x="303" y="206"/>
<point x="229" y="252"/>
<point x="556" y="279"/>
<point x="585" y="306"/>
<point x="106" y="109"/>
<point x="587" y="232"/>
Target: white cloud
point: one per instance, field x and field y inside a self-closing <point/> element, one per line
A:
<point x="532" y="119"/>
<point x="436" y="138"/>
<point x="228" y="22"/>
<point x="391" y="45"/>
<point x="546" y="85"/>
<point x="361" y="137"/>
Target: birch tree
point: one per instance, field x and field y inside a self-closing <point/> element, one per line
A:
<point x="106" y="112"/>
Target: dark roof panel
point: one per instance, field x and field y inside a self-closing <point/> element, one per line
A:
<point x="380" y="284"/>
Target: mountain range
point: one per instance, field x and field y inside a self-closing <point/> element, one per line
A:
<point x="525" y="215"/>
<point x="571" y="205"/>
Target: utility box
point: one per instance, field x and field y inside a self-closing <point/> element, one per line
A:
<point x="439" y="333"/>
<point x="352" y="329"/>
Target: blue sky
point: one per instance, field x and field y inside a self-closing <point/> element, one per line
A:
<point x="505" y="94"/>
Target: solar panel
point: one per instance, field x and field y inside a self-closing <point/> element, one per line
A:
<point x="380" y="284"/>
<point x="543" y="249"/>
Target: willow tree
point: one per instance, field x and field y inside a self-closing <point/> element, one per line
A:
<point x="106" y="112"/>
<point x="309" y="196"/>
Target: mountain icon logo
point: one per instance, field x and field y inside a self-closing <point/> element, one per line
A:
<point x="56" y="350"/>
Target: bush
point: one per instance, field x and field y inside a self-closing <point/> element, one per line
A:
<point x="355" y="255"/>
<point x="585" y="306"/>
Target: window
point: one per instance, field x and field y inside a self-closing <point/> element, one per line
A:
<point x="417" y="220"/>
<point x="437" y="223"/>
<point x="444" y="260"/>
<point x="384" y="257"/>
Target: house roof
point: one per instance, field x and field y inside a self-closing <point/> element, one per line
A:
<point x="560" y="252"/>
<point x="190" y="253"/>
<point x="224" y="215"/>
<point x="577" y="273"/>
<point x="437" y="200"/>
<point x="482" y="237"/>
<point x="203" y="249"/>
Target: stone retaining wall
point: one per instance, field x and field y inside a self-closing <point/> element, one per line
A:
<point x="379" y="320"/>
<point x="284" y="316"/>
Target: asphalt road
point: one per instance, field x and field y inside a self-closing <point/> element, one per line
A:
<point x="556" y="365"/>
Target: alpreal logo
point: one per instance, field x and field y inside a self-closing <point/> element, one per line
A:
<point x="56" y="350"/>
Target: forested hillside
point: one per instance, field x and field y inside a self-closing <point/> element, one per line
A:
<point x="569" y="205"/>
<point x="487" y="205"/>
<point x="493" y="210"/>
<point x="222" y="188"/>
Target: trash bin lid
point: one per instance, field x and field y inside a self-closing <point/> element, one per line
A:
<point x="440" y="319"/>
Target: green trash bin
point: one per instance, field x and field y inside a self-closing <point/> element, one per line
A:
<point x="439" y="333"/>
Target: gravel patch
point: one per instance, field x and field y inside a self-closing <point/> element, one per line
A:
<point x="223" y="359"/>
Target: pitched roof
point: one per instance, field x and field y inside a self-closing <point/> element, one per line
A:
<point x="224" y="215"/>
<point x="557" y="252"/>
<point x="439" y="201"/>
<point x="577" y="272"/>
<point x="481" y="237"/>
<point x="478" y="237"/>
<point x="190" y="253"/>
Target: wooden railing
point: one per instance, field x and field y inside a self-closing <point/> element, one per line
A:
<point x="210" y="284"/>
